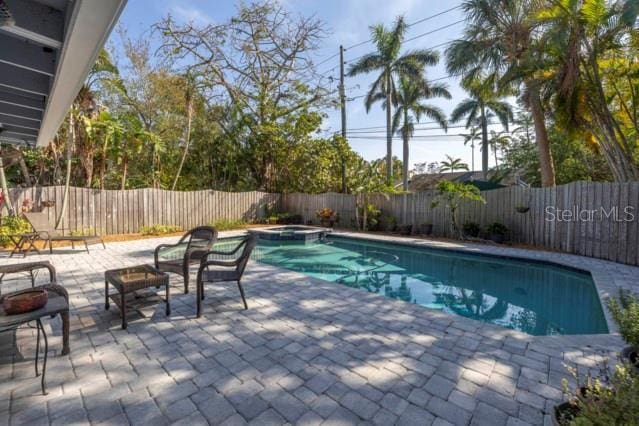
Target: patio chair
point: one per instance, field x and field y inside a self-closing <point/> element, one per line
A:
<point x="191" y="248"/>
<point x="226" y="270"/>
<point x="46" y="231"/>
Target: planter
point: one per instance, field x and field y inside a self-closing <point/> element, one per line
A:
<point x="326" y="223"/>
<point x="426" y="228"/>
<point x="24" y="301"/>
<point x="630" y="355"/>
<point x="564" y="413"/>
<point x="522" y="209"/>
<point x="405" y="229"/>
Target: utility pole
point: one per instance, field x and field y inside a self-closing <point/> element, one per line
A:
<point x="342" y="101"/>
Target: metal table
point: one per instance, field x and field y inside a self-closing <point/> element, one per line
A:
<point x="56" y="305"/>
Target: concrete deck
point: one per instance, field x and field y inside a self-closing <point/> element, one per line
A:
<point x="306" y="352"/>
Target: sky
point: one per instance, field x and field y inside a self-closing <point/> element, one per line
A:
<point x="347" y="23"/>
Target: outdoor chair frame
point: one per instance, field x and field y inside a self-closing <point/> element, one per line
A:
<point x="48" y="233"/>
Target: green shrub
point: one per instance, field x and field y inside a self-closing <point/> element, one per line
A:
<point x="472" y="229"/>
<point x="607" y="400"/>
<point x="284" y="218"/>
<point x="228" y="224"/>
<point x="496" y="228"/>
<point x="12" y="225"/>
<point x="625" y="312"/>
<point x="160" y="229"/>
<point x="84" y="232"/>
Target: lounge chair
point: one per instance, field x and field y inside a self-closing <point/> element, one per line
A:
<point x="46" y="231"/>
<point x="191" y="248"/>
<point x="226" y="270"/>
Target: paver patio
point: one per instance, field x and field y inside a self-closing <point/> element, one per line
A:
<point x="306" y="352"/>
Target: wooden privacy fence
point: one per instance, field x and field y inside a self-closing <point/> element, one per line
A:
<point x="122" y="212"/>
<point x="586" y="218"/>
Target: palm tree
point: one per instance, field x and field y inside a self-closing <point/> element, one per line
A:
<point x="481" y="102"/>
<point x="497" y="142"/>
<point x="453" y="164"/>
<point x="390" y="65"/>
<point x="500" y="39"/>
<point x="474" y="134"/>
<point x="410" y="109"/>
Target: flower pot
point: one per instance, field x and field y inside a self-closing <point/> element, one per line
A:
<point x="564" y="413"/>
<point x="630" y="355"/>
<point x="426" y="228"/>
<point x="405" y="229"/>
<point x="522" y="209"/>
<point x="326" y="223"/>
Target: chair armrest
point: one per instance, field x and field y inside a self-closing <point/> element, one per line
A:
<point x="156" y="252"/>
<point x="29" y="267"/>
<point x="206" y="263"/>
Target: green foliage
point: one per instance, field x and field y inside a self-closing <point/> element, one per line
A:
<point x="372" y="215"/>
<point x="13" y="225"/>
<point x="229" y="224"/>
<point x="472" y="229"/>
<point x="452" y="194"/>
<point x="84" y="232"/>
<point x="160" y="229"/>
<point x="496" y="228"/>
<point x="284" y="218"/>
<point x="625" y="311"/>
<point x="612" y="399"/>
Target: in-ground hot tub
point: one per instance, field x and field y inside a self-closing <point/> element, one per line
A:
<point x="302" y="234"/>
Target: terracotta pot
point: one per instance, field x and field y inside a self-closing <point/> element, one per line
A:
<point x="25" y="301"/>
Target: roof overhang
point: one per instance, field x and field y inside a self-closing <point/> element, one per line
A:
<point x="47" y="48"/>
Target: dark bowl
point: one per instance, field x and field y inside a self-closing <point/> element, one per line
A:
<point x="25" y="301"/>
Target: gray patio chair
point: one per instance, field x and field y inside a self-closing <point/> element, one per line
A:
<point x="226" y="270"/>
<point x="191" y="248"/>
<point x="46" y="231"/>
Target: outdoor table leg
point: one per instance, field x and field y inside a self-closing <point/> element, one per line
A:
<point x="46" y="352"/>
<point x="123" y="309"/>
<point x="106" y="295"/>
<point x="168" y="304"/>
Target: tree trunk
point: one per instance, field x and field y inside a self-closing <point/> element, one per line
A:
<point x="125" y="169"/>
<point x="405" y="154"/>
<point x="472" y="147"/>
<point x="484" y="144"/>
<point x="389" y="131"/>
<point x="541" y="138"/>
<point x="187" y="137"/>
<point x="24" y="170"/>
<point x="67" y="182"/>
<point x="5" y="188"/>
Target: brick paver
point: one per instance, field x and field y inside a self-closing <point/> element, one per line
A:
<point x="305" y="352"/>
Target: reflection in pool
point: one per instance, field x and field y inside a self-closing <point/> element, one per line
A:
<point x="536" y="298"/>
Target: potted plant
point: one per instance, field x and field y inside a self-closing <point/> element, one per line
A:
<point x="625" y="312"/>
<point x="426" y="228"/>
<point x="496" y="232"/>
<point x="611" y="399"/>
<point x="471" y="229"/>
<point x="326" y="216"/>
<point x="522" y="209"/>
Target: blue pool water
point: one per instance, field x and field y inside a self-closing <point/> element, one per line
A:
<point x="532" y="297"/>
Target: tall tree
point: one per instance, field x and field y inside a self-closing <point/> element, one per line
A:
<point x="499" y="39"/>
<point x="482" y="101"/>
<point x="391" y="65"/>
<point x="411" y="108"/>
<point x="473" y="135"/>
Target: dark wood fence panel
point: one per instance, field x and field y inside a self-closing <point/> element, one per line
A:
<point x="122" y="212"/>
<point x="596" y="219"/>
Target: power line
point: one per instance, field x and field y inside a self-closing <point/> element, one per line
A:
<point x="364" y="132"/>
<point x="428" y="18"/>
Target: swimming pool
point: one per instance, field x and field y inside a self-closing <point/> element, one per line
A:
<point x="532" y="297"/>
